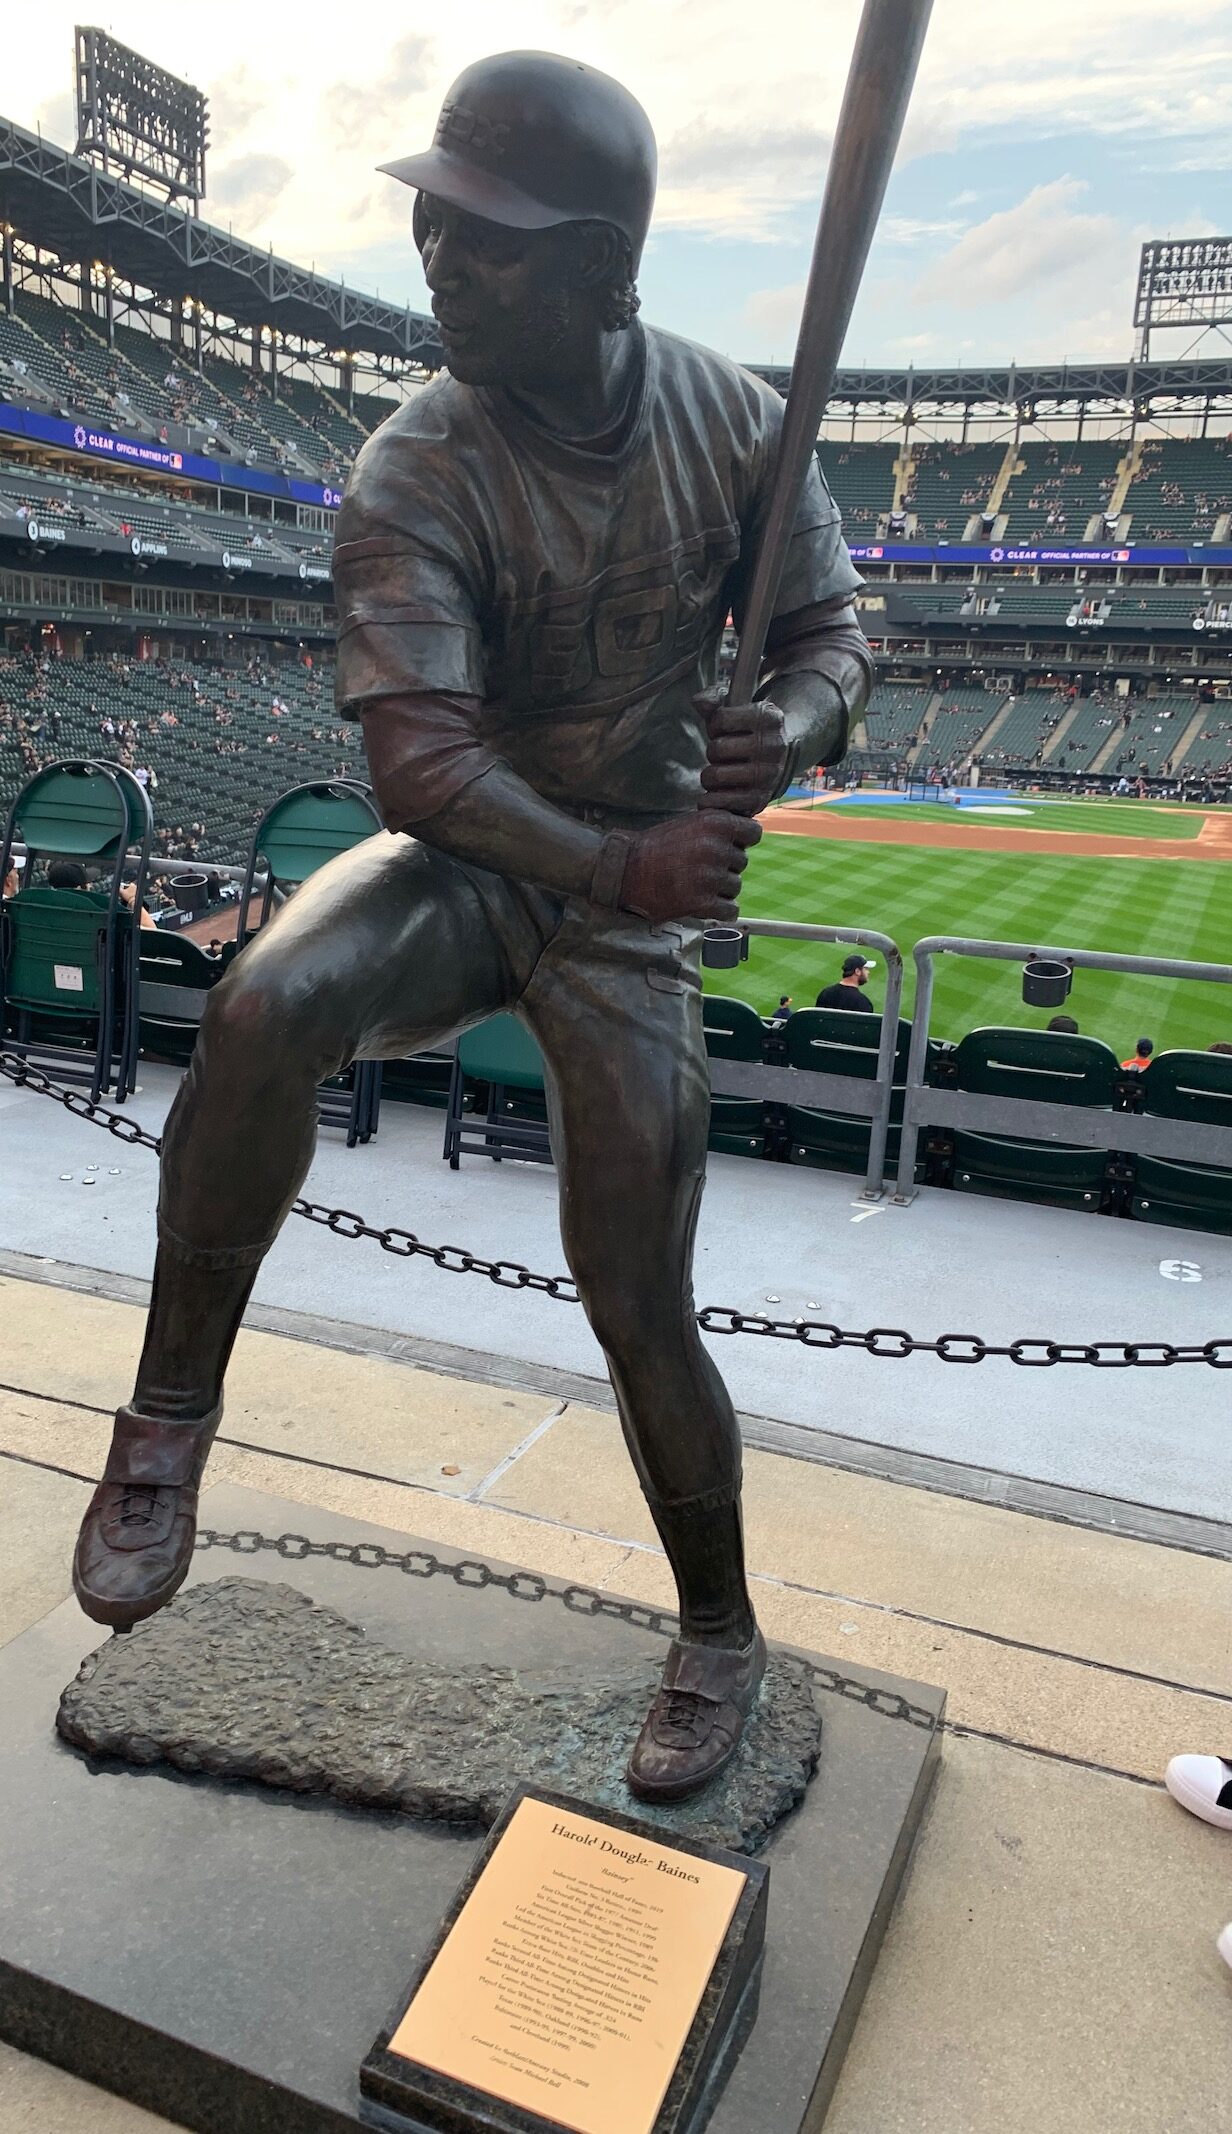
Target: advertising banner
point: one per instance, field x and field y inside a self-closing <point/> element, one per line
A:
<point x="156" y="458"/>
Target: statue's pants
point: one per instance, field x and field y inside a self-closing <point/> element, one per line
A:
<point x="389" y="950"/>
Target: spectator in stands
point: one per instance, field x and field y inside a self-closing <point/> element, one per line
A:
<point x="1220" y="1045"/>
<point x="12" y="883"/>
<point x="128" y="898"/>
<point x="1141" y="1057"/>
<point x="848" y="993"/>
<point x="1064" y="1025"/>
<point x="65" y="874"/>
<point x="782" y="1011"/>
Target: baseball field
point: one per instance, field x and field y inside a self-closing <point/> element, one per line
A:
<point x="1133" y="877"/>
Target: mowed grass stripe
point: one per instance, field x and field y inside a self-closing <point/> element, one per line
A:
<point x="1171" y="908"/>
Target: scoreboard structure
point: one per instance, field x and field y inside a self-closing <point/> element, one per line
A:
<point x="139" y="120"/>
<point x="1183" y="282"/>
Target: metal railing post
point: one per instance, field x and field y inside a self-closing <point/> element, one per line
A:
<point x="917" y="1059"/>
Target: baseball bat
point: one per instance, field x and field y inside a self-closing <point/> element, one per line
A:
<point x="879" y="83"/>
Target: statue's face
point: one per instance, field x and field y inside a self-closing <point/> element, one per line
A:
<point x="504" y="299"/>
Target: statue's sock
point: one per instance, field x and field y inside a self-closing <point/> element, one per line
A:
<point x="704" y="1540"/>
<point x="196" y="1306"/>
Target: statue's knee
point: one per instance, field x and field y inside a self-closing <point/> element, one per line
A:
<point x="622" y="1312"/>
<point x="251" y="1014"/>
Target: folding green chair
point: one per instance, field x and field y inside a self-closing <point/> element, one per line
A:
<point x="175" y="981"/>
<point x="424" y="1078"/>
<point x="735" y="1031"/>
<point x="68" y="957"/>
<point x="1196" y="1196"/>
<point x="1055" y="1068"/>
<point x="501" y="1056"/>
<point x="838" y="1041"/>
<point x="299" y="833"/>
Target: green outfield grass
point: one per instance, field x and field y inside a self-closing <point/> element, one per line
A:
<point x="1178" y="908"/>
<point x="1103" y="818"/>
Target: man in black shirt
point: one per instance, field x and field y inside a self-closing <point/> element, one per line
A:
<point x="847" y="993"/>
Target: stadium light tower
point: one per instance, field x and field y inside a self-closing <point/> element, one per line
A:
<point x="1183" y="282"/>
<point x="136" y="115"/>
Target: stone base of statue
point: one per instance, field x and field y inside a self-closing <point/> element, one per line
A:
<point x="242" y="1679"/>
<point x="219" y="1874"/>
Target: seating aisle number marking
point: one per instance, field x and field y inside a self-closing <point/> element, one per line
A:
<point x="1180" y="1270"/>
<point x="863" y="1212"/>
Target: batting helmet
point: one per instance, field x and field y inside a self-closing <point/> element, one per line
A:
<point x="529" y="139"/>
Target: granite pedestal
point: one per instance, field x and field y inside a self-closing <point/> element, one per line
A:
<point x="223" y="1954"/>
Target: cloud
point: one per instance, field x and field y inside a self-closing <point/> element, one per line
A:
<point x="773" y="317"/>
<point x="1107" y="67"/>
<point x="706" y="155"/>
<point x="57" y="119"/>
<point x="354" y="108"/>
<point x="250" y="185"/>
<point x="739" y="181"/>
<point x="915" y="229"/>
<point x="965" y="199"/>
<point x="1043" y="239"/>
<point x="235" y="100"/>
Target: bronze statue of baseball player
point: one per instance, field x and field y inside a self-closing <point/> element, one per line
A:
<point x="535" y="559"/>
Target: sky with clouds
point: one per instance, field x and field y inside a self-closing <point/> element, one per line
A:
<point x="1044" y="143"/>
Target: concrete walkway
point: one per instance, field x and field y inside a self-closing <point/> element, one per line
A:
<point x="1051" y="1964"/>
<point x="773" y="1238"/>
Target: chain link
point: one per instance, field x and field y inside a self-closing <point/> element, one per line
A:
<point x="26" y="1077"/>
<point x="474" y="1576"/>
<point x="886" y="1341"/>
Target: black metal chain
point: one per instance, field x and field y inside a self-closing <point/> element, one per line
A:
<point x="1034" y="1353"/>
<point x="474" y="1576"/>
<point x="452" y="1259"/>
<point x="15" y="1069"/>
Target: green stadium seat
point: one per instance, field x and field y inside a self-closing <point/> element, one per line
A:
<point x="301" y="832"/>
<point x="1198" y="1196"/>
<point x="834" y="1041"/>
<point x="306" y="828"/>
<point x="68" y="957"/>
<point x="1050" y="1067"/>
<point x="735" y="1031"/>
<point x="502" y="1057"/>
<point x="175" y="980"/>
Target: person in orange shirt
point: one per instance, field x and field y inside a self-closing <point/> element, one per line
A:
<point x="1142" y="1056"/>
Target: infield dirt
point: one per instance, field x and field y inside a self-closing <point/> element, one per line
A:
<point x="1213" y="842"/>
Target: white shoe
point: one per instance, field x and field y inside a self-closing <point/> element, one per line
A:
<point x="1203" y="1784"/>
<point x="1224" y="1946"/>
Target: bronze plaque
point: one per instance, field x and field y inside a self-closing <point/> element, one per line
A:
<point x="569" y="1981"/>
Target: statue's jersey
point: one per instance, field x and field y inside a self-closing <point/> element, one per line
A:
<point x="580" y="596"/>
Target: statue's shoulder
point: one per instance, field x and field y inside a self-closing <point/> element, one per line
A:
<point x="723" y="390"/>
<point x="411" y="461"/>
